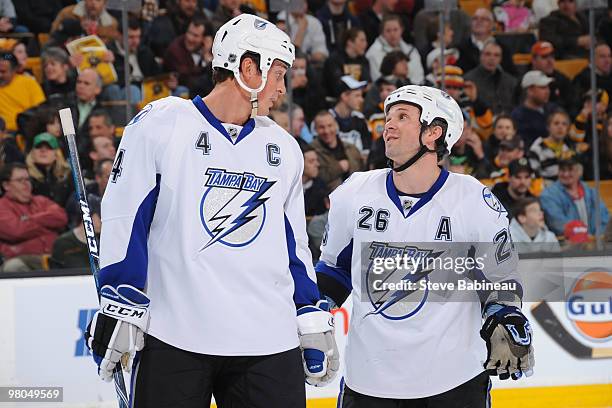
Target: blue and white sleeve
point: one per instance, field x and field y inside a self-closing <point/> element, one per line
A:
<point x="494" y="247"/>
<point x="130" y="198"/>
<point x="300" y="258"/>
<point x="334" y="267"/>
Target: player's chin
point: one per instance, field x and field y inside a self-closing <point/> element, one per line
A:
<point x="390" y="152"/>
<point x="391" y="145"/>
<point x="265" y="107"/>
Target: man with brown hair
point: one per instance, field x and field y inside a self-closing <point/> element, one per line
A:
<point x="528" y="229"/>
<point x="337" y="159"/>
<point x="189" y="55"/>
<point x="495" y="86"/>
<point x="28" y="223"/>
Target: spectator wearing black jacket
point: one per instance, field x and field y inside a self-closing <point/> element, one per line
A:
<point x="9" y="151"/>
<point x="481" y="33"/>
<point x="496" y="87"/>
<point x="517" y="187"/>
<point x="352" y="125"/>
<point x="459" y="22"/>
<point x="603" y="72"/>
<point x="350" y="60"/>
<point x="567" y="30"/>
<point x="371" y="18"/>
<point x="38" y="15"/>
<point x="166" y="28"/>
<point x="70" y="248"/>
<point x="94" y="190"/>
<point x="504" y="128"/>
<point x="336" y="19"/>
<point x="604" y="29"/>
<point x="467" y="155"/>
<point x="307" y="88"/>
<point x="141" y="60"/>
<point x="315" y="189"/>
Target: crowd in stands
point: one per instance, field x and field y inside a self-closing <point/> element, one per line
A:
<point x="527" y="119"/>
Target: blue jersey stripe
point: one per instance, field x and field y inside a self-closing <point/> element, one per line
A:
<point x="210" y="118"/>
<point x="340" y="275"/>
<point x="306" y="290"/>
<point x="342" y="270"/>
<point x="132" y="270"/>
<point x="345" y="257"/>
<point x="425" y="198"/>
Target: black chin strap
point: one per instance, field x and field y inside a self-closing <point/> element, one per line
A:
<point x="414" y="158"/>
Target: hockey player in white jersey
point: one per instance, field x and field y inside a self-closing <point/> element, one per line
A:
<point x="207" y="283"/>
<point x="405" y="348"/>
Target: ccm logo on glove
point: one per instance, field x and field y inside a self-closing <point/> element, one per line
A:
<point x="119" y="311"/>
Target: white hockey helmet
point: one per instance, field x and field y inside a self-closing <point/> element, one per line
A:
<point x="247" y="32"/>
<point x="434" y="103"/>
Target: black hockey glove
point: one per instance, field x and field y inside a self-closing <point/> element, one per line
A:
<point x="509" y="342"/>
<point x="116" y="332"/>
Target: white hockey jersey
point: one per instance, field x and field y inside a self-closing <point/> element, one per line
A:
<point x="404" y="343"/>
<point x="209" y="219"/>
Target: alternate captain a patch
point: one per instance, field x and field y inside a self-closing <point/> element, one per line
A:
<point x="233" y="207"/>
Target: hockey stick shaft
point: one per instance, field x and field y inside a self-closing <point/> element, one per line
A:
<point x="92" y="244"/>
<point x="546" y="318"/>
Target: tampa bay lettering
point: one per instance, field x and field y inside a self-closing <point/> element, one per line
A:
<point x="239" y="181"/>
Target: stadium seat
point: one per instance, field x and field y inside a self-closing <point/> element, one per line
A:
<point x="470" y="6"/>
<point x="571" y="67"/>
<point x="521" y="59"/>
<point x="605" y="190"/>
<point x="45" y="262"/>
<point x="43" y="38"/>
<point x="35" y="65"/>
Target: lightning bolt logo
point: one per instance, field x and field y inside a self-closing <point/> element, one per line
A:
<point x="394" y="296"/>
<point x="229" y="221"/>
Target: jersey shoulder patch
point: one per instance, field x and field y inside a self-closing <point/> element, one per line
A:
<point x="160" y="107"/>
<point x="473" y="190"/>
<point x="492" y="202"/>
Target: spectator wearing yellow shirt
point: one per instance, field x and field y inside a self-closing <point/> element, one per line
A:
<point x="18" y="92"/>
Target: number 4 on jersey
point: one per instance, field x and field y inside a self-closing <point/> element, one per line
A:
<point x="117" y="166"/>
<point x="203" y="143"/>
